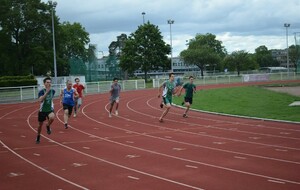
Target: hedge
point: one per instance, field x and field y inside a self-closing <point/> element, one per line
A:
<point x="12" y="81"/>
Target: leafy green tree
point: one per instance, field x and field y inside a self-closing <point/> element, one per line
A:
<point x="72" y="39"/>
<point x="26" y="39"/>
<point x="239" y="61"/>
<point x="294" y="55"/>
<point x="25" y="25"/>
<point x="145" y="50"/>
<point x="204" y="51"/>
<point x="264" y="57"/>
<point x="115" y="51"/>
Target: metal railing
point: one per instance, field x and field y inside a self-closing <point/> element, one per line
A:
<point x="226" y="79"/>
<point x="28" y="93"/>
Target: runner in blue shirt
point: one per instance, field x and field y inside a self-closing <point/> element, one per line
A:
<point x="67" y="99"/>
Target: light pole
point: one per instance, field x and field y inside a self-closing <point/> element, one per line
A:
<point x="143" y="13"/>
<point x="171" y="22"/>
<point x="53" y="4"/>
<point x="286" y="25"/>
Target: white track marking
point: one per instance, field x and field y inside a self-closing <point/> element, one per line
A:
<point x="13" y="174"/>
<point x="131" y="177"/>
<point x="43" y="169"/>
<point x="276" y="181"/>
<point x="239" y="157"/>
<point x="98" y="158"/>
<point x="189" y="144"/>
<point x="190" y="166"/>
<point x="16" y="110"/>
<point x="227" y="122"/>
<point x="132" y="156"/>
<point x="109" y="162"/>
<point x="179" y="158"/>
<point x="183" y="131"/>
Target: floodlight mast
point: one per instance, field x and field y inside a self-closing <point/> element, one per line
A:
<point x="287" y="25"/>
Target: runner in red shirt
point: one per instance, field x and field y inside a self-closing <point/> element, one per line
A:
<point x="78" y="101"/>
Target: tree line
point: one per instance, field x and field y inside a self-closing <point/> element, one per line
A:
<point x="26" y="39"/>
<point x="27" y="46"/>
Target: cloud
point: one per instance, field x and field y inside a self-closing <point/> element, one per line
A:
<point x="239" y="24"/>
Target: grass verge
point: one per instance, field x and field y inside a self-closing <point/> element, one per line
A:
<point x="247" y="101"/>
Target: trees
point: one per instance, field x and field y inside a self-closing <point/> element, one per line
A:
<point x="72" y="39"/>
<point x="239" y="61"/>
<point x="294" y="54"/>
<point x="145" y="50"/>
<point x="25" y="32"/>
<point x="26" y="39"/>
<point x="264" y="57"/>
<point x="204" y="51"/>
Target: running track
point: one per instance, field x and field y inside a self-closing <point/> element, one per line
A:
<point x="133" y="151"/>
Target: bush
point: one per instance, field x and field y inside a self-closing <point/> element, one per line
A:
<point x="12" y="81"/>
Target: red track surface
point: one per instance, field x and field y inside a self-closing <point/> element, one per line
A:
<point x="133" y="151"/>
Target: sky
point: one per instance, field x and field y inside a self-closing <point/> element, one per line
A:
<point x="238" y="24"/>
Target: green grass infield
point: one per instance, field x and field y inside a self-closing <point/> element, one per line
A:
<point x="253" y="101"/>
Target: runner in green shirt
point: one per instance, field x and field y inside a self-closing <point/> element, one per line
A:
<point x="167" y="89"/>
<point x="46" y="110"/>
<point x="190" y="89"/>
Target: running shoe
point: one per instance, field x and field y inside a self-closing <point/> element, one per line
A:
<point x="117" y="113"/>
<point x="184" y="115"/>
<point x="48" y="130"/>
<point x="66" y="126"/>
<point x="37" y="141"/>
<point x="109" y="115"/>
<point x="161" y="105"/>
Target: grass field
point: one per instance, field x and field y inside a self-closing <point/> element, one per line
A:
<point x="251" y="101"/>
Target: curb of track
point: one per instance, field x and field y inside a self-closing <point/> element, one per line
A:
<point x="239" y="116"/>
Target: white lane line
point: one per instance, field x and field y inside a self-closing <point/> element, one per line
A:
<point x="78" y="165"/>
<point x="15" y="111"/>
<point x="13" y="174"/>
<point x="281" y="150"/>
<point x="112" y="163"/>
<point x="178" y="149"/>
<point x="285" y="133"/>
<point x="192" y="161"/>
<point x="276" y="181"/>
<point x="219" y="128"/>
<point x="158" y="177"/>
<point x="131" y="177"/>
<point x="43" y="169"/>
<point x="255" y="138"/>
<point x="219" y="142"/>
<point x="132" y="156"/>
<point x="190" y="166"/>
<point x="36" y="154"/>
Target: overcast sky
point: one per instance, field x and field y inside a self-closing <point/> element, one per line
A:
<point x="239" y="24"/>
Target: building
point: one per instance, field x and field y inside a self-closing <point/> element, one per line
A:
<point x="180" y="66"/>
<point x="281" y="56"/>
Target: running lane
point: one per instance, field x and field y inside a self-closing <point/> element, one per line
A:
<point x="135" y="151"/>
